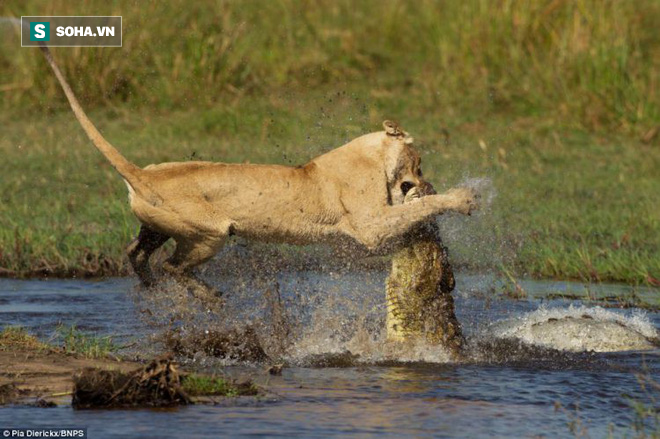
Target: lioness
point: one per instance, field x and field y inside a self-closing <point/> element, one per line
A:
<point x="354" y="192"/>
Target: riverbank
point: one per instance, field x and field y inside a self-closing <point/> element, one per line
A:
<point x="42" y="375"/>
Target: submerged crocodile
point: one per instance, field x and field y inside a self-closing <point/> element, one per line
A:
<point x="419" y="301"/>
<point x="580" y="330"/>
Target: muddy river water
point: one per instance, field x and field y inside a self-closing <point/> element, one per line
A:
<point x="506" y="392"/>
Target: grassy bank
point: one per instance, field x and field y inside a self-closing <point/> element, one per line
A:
<point x="549" y="100"/>
<point x="564" y="203"/>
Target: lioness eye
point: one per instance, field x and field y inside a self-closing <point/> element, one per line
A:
<point x="406" y="186"/>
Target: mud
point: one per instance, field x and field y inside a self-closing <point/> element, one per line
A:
<point x="9" y="393"/>
<point x="28" y="376"/>
<point x="48" y="378"/>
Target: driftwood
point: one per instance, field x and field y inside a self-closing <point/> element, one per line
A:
<point x="156" y="385"/>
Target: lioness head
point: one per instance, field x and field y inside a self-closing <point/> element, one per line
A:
<point x="404" y="170"/>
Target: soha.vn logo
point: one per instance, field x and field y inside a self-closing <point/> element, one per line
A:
<point x="39" y="31"/>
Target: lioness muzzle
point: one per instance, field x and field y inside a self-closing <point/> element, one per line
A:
<point x="352" y="194"/>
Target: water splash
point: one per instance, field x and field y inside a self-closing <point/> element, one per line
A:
<point x="364" y="338"/>
<point x="480" y="241"/>
<point x="485" y="188"/>
<point x="580" y="328"/>
<point x="313" y="318"/>
<point x="277" y="302"/>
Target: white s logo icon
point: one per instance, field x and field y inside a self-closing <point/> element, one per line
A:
<point x="40" y="31"/>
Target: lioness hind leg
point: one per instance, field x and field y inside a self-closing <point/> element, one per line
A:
<point x="140" y="250"/>
<point x="189" y="255"/>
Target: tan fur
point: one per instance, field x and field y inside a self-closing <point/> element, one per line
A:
<point x="350" y="194"/>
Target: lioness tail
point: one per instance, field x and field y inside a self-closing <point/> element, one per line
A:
<point x="129" y="171"/>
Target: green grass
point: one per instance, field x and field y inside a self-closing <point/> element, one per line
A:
<point x="68" y="338"/>
<point x="547" y="99"/>
<point x="205" y="385"/>
<point x="568" y="204"/>
<point x="74" y="341"/>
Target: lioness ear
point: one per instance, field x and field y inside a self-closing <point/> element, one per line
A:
<point x="392" y="129"/>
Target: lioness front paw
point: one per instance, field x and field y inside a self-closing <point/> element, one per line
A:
<point x="466" y="200"/>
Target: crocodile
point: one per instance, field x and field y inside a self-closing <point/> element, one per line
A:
<point x="418" y="289"/>
<point x="580" y="329"/>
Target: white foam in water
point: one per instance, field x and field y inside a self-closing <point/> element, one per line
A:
<point x="328" y="334"/>
<point x="417" y="351"/>
<point x="580" y="328"/>
<point x="370" y="350"/>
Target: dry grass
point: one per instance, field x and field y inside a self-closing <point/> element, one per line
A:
<point x="17" y="338"/>
<point x="588" y="63"/>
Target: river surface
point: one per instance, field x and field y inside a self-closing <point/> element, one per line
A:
<point x="516" y="396"/>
